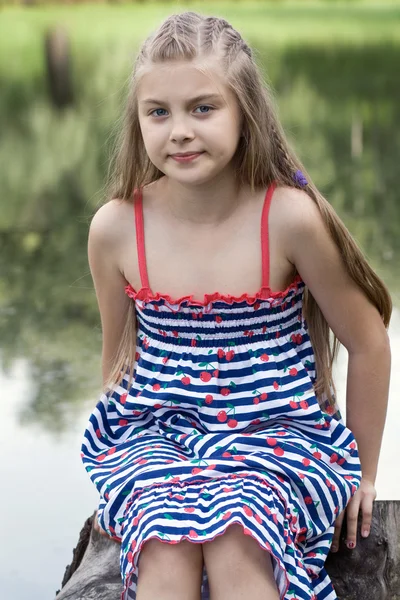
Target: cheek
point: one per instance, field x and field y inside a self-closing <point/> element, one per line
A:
<point x="225" y="132"/>
<point x="152" y="137"/>
<point x="225" y="141"/>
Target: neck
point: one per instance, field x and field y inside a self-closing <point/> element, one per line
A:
<point x="205" y="204"/>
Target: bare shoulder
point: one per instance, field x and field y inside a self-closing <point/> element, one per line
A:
<point x="300" y="219"/>
<point x="297" y="208"/>
<point x="111" y="221"/>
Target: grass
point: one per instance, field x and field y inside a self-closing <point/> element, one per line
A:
<point x="272" y="22"/>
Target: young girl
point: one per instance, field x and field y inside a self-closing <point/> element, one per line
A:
<point x="223" y="464"/>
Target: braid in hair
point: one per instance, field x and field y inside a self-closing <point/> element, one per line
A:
<point x="284" y="161"/>
<point x="212" y="30"/>
<point x="217" y="32"/>
<point x="234" y="43"/>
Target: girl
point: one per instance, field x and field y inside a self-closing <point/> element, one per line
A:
<point x="223" y="464"/>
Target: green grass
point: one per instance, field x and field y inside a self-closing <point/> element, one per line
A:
<point x="273" y="22"/>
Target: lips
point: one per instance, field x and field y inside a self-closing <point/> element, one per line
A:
<point x="183" y="154"/>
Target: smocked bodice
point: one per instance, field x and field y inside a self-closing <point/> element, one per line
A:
<point x="220" y="320"/>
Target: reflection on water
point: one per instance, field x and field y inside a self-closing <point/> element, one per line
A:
<point x="45" y="495"/>
<point x="345" y="124"/>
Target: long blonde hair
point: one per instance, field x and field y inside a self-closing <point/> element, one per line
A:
<point x="263" y="155"/>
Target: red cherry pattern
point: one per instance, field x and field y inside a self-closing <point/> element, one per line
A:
<point x="278" y="450"/>
<point x="296" y="338"/>
<point x="222" y="416"/>
<point x="219" y="399"/>
<point x="205" y="376"/>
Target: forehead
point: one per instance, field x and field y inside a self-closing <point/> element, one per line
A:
<point x="180" y="80"/>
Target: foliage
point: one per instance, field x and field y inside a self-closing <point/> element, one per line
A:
<point x="335" y="72"/>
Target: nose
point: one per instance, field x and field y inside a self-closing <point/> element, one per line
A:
<point x="181" y="130"/>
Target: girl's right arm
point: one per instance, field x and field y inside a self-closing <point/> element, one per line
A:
<point x="104" y="247"/>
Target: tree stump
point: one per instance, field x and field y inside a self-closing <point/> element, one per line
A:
<point x="369" y="572"/>
<point x="58" y="62"/>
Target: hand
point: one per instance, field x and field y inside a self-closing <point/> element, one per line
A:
<point x="364" y="498"/>
<point x="97" y="527"/>
<point x="101" y="531"/>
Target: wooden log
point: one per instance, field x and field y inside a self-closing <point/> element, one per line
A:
<point x="372" y="570"/>
<point x="369" y="572"/>
<point x="94" y="572"/>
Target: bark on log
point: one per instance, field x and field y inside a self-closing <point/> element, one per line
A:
<point x="369" y="572"/>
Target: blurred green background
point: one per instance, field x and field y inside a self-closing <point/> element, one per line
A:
<point x="335" y="69"/>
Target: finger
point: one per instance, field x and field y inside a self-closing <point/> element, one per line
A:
<point x="366" y="507"/>
<point x="336" y="534"/>
<point x="97" y="527"/>
<point x="100" y="530"/>
<point x="352" y="519"/>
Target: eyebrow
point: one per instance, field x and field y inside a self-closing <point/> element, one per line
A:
<point x="191" y="101"/>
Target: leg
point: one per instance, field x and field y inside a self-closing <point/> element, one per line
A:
<point x="169" y="571"/>
<point x="238" y="568"/>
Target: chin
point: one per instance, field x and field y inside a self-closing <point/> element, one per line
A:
<point x="195" y="176"/>
<point x="191" y="178"/>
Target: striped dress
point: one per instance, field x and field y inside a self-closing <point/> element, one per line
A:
<point x="222" y="426"/>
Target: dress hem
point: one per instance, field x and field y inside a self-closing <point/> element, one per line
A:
<point x="299" y="533"/>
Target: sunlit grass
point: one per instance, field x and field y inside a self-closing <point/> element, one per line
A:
<point x="101" y="25"/>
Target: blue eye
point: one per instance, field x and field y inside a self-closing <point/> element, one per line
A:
<point x="204" y="106"/>
<point x="153" y="111"/>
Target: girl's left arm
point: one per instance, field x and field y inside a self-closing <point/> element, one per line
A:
<point x="358" y="326"/>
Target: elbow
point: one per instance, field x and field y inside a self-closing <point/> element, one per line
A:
<point x="378" y="343"/>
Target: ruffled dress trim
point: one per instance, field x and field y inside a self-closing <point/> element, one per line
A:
<point x="299" y="535"/>
<point x="146" y="295"/>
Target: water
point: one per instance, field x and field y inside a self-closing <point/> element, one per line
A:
<point x="339" y="105"/>
<point x="45" y="500"/>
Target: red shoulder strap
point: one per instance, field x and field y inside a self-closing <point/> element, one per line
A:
<point x="265" y="234"/>
<point x="138" y="204"/>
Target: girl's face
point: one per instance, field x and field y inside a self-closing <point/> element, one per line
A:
<point x="183" y="110"/>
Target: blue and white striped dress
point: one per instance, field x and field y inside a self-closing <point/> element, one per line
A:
<point x="222" y="426"/>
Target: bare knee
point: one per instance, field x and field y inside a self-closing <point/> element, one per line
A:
<point x="234" y="558"/>
<point x="236" y="548"/>
<point x="174" y="567"/>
